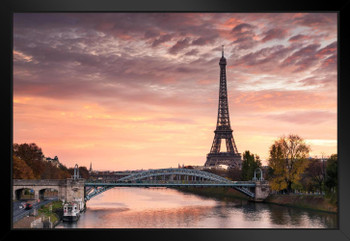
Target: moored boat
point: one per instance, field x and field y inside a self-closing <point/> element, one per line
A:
<point x="71" y="212"/>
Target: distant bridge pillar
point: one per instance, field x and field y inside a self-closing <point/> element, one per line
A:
<point x="262" y="191"/>
<point x="73" y="189"/>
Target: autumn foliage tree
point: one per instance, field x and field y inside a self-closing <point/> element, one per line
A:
<point x="83" y="172"/>
<point x="20" y="169"/>
<point x="288" y="161"/>
<point x="32" y="155"/>
<point x="28" y="163"/>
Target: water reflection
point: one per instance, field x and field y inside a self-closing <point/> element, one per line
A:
<point x="168" y="208"/>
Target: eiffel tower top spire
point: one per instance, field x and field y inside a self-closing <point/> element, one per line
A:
<point x="223" y="59"/>
<point x="223" y="120"/>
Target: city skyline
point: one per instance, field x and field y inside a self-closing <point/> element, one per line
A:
<point x="140" y="90"/>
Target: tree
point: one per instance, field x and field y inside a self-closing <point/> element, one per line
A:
<point x="28" y="163"/>
<point x="234" y="174"/>
<point x="219" y="172"/>
<point x="314" y="171"/>
<point x="250" y="163"/>
<point x="331" y="182"/>
<point x="288" y="161"/>
<point x="32" y="155"/>
<point x="47" y="171"/>
<point x="63" y="172"/>
<point x="20" y="169"/>
<point x="83" y="172"/>
<point x="277" y="164"/>
<point x="267" y="172"/>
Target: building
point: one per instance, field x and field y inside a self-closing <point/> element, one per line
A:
<point x="55" y="162"/>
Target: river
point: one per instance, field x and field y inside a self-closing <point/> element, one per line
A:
<point x="169" y="208"/>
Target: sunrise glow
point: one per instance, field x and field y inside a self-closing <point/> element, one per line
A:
<point x="140" y="90"/>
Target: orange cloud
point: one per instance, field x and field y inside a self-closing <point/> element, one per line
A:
<point x="150" y="101"/>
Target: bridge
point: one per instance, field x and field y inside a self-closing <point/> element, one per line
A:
<point x="178" y="177"/>
<point x="68" y="189"/>
<point x="78" y="189"/>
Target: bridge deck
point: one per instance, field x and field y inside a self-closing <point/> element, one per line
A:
<point x="95" y="184"/>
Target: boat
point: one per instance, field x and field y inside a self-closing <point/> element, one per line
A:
<point x="71" y="212"/>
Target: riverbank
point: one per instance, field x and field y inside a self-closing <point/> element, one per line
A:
<point x="47" y="216"/>
<point x="52" y="211"/>
<point x="312" y="202"/>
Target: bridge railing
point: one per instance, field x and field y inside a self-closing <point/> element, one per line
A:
<point x="165" y="181"/>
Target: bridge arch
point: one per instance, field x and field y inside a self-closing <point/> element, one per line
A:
<point x="261" y="178"/>
<point x="43" y="190"/>
<point x="168" y="174"/>
<point x="18" y="192"/>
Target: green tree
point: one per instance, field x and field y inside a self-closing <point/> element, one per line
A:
<point x="288" y="161"/>
<point x="250" y="163"/>
<point x="331" y="182"/>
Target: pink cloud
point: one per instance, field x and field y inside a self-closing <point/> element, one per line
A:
<point x="298" y="37"/>
<point x="274" y="33"/>
<point x="98" y="86"/>
<point x="308" y="117"/>
<point x="271" y="101"/>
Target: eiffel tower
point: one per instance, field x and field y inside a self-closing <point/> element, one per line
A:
<point x="223" y="130"/>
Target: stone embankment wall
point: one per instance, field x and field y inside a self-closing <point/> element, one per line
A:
<point x="314" y="202"/>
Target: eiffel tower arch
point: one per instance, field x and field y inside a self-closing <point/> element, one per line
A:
<point x="223" y="132"/>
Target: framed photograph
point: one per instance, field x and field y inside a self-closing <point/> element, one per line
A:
<point x="178" y="120"/>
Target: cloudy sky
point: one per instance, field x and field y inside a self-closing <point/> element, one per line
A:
<point x="140" y="90"/>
